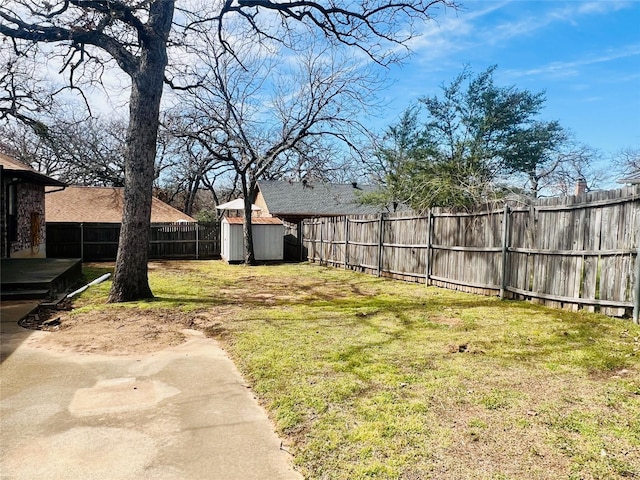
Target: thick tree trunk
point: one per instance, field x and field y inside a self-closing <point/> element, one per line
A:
<point x="192" y="192"/>
<point x="249" y="255"/>
<point x="130" y="280"/>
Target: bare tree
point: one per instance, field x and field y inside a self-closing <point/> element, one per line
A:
<point x="190" y="168"/>
<point x="20" y="141"/>
<point x="571" y="164"/>
<point x="80" y="152"/>
<point x="627" y="163"/>
<point x="93" y="34"/>
<point x="193" y="177"/>
<point x="135" y="35"/>
<point x="320" y="159"/>
<point x="23" y="95"/>
<point x="263" y="119"/>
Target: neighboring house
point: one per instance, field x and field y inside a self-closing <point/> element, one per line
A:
<point x="295" y="201"/>
<point x="22" y="207"/>
<point x="84" y="222"/>
<point x="102" y="205"/>
<point x="631" y="180"/>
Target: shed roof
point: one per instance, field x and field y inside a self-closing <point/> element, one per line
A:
<point x="314" y="199"/>
<point x="101" y="205"/>
<point x="254" y="220"/>
<point x="18" y="169"/>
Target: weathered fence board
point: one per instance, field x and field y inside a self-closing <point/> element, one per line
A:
<point x="570" y="252"/>
<point x="99" y="241"/>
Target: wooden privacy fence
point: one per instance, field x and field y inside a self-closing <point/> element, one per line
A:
<point x="569" y="252"/>
<point x="99" y="241"/>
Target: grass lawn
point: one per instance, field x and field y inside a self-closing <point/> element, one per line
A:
<point x="374" y="378"/>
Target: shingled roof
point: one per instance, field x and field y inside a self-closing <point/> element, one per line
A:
<point x="101" y="205"/>
<point x="15" y="168"/>
<point x="631" y="180"/>
<point x="288" y="199"/>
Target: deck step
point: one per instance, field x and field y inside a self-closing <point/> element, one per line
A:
<point x="24" y="294"/>
<point x="37" y="278"/>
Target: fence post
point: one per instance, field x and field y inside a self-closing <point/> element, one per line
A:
<point x="81" y="241"/>
<point x="346" y="241"/>
<point x="380" y="241"/>
<point x="636" y="289"/>
<point x="197" y="241"/>
<point x="333" y="242"/>
<point x="505" y="251"/>
<point x="427" y="273"/>
<point x="321" y="240"/>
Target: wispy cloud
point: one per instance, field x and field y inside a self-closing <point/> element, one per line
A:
<point x="600" y="6"/>
<point x="453" y="32"/>
<point x="468" y="29"/>
<point x="572" y="68"/>
<point x="584" y="53"/>
<point x="531" y="22"/>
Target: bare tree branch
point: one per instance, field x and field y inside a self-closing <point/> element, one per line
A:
<point x="140" y="35"/>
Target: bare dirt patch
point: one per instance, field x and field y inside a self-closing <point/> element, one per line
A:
<point x="127" y="331"/>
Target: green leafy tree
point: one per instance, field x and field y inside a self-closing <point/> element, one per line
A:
<point x="538" y="153"/>
<point x="474" y="134"/>
<point x="403" y="147"/>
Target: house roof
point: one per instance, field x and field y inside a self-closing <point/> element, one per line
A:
<point x="313" y="199"/>
<point x="101" y="205"/>
<point x="631" y="180"/>
<point x="15" y="168"/>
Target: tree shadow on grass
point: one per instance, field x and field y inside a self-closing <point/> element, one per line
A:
<point x="500" y="328"/>
<point x="516" y="331"/>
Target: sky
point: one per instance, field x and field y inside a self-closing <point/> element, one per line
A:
<point x="584" y="54"/>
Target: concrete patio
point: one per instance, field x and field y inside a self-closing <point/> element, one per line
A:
<point x="178" y="414"/>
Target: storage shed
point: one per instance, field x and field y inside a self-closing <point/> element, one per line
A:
<point x="268" y="239"/>
<point x="293" y="202"/>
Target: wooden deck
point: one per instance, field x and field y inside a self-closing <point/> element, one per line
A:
<point x="25" y="278"/>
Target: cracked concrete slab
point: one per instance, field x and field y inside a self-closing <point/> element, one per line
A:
<point x="181" y="413"/>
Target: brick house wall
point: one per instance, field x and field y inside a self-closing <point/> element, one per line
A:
<point x="31" y="227"/>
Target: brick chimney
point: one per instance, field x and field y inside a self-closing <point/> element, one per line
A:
<point x="581" y="186"/>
